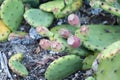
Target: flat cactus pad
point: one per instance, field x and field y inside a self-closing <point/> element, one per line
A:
<point x="18" y="68"/>
<point x="63" y="67"/>
<point x="108" y="63"/>
<point x="66" y="26"/>
<point x="98" y="37"/>
<point x="4" y="31"/>
<point x="37" y="17"/>
<point x="12" y="13"/>
<point x="52" y="6"/>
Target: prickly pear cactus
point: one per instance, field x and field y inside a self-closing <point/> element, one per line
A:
<point x="63" y="67"/>
<point x="98" y="37"/>
<point x="106" y="65"/>
<point x="16" y="66"/>
<point x="4" y="31"/>
<point x="37" y="17"/>
<point x="12" y="13"/>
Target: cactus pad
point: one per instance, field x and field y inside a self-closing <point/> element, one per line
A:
<point x="16" y="57"/>
<point x="12" y="13"/>
<point x="52" y="5"/>
<point x="61" y="8"/>
<point x="37" y="17"/>
<point x="98" y="37"/>
<point x="63" y="67"/>
<point x="4" y="31"/>
<point x="66" y="26"/>
<point x="108" y="63"/>
<point x="16" y="66"/>
<point x="87" y="62"/>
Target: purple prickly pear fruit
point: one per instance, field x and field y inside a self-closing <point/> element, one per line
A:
<point x="65" y="33"/>
<point x="73" y="20"/>
<point x="45" y="44"/>
<point x="84" y="29"/>
<point x="57" y="46"/>
<point x="74" y="41"/>
<point x="42" y="30"/>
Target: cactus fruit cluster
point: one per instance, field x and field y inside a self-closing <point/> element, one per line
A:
<point x="16" y="66"/>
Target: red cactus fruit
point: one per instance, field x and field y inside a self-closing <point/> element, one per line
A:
<point x="65" y="33"/>
<point x="84" y="29"/>
<point x="45" y="44"/>
<point x="73" y="20"/>
<point x="42" y="30"/>
<point x="57" y="46"/>
<point x="74" y="41"/>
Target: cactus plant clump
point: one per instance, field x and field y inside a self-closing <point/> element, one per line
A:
<point x="4" y="32"/>
<point x="37" y="17"/>
<point x="63" y="67"/>
<point x="12" y="13"/>
<point x="16" y="66"/>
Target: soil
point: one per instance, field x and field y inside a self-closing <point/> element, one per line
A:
<point x="37" y="60"/>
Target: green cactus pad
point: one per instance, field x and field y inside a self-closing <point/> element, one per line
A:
<point x="16" y="57"/>
<point x="12" y="13"/>
<point x="68" y="9"/>
<point x="63" y="67"/>
<point x="90" y="78"/>
<point x="87" y="62"/>
<point x="18" y="68"/>
<point x="99" y="37"/>
<point x="4" y="32"/>
<point x="37" y="17"/>
<point x="1" y="1"/>
<point x="61" y="8"/>
<point x="52" y="5"/>
<point x="110" y="9"/>
<point x="66" y="26"/>
<point x="108" y="63"/>
<point x="80" y="51"/>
